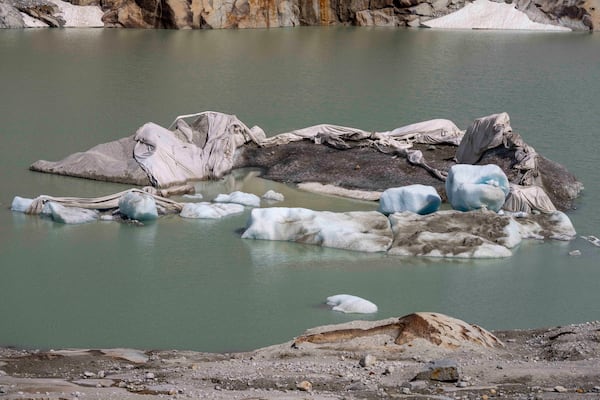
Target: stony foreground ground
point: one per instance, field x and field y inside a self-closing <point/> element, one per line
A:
<point x="555" y="363"/>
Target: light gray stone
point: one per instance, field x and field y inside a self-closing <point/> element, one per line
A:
<point x="440" y="370"/>
<point x="10" y="17"/>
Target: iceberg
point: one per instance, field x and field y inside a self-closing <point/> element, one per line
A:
<point x="347" y="303"/>
<point x="472" y="187"/>
<point x="273" y="196"/>
<point x="367" y="231"/>
<point x="210" y="211"/>
<point x="20" y="204"/>
<point x="138" y="206"/>
<point x="245" y="199"/>
<point x="419" y="199"/>
<point x="69" y="215"/>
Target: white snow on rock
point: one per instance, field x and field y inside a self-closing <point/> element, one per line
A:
<point x="209" y="210"/>
<point x="139" y="206"/>
<point x="246" y="199"/>
<point x="472" y="187"/>
<point x="419" y="199"/>
<point x="475" y="234"/>
<point x="485" y="14"/>
<point x="347" y="303"/>
<point x="79" y="16"/>
<point x="20" y="204"/>
<point x="69" y="215"/>
<point x="367" y="231"/>
<point x="273" y="196"/>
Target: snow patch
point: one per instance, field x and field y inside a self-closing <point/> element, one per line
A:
<point x="485" y="14"/>
<point x="79" y="16"/>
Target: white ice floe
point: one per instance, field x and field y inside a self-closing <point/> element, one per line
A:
<point x="472" y="187"/>
<point x="20" y="204"/>
<point x="246" y="199"/>
<point x="139" y="206"/>
<point x="347" y="303"/>
<point x="419" y="199"/>
<point x="79" y="16"/>
<point x="367" y="231"/>
<point x="196" y="196"/>
<point x="69" y="215"/>
<point x="555" y="225"/>
<point x="210" y="210"/>
<point x="485" y="14"/>
<point x="273" y="196"/>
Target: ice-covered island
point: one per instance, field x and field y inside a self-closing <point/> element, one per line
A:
<point x="500" y="189"/>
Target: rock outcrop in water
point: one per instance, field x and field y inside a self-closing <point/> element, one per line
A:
<point x="218" y="14"/>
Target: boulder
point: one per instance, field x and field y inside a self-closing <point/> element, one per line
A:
<point x="138" y="206"/>
<point x="367" y="231"/>
<point x="436" y="329"/>
<point x="419" y="199"/>
<point x="210" y="211"/>
<point x="473" y="187"/>
<point x="347" y="303"/>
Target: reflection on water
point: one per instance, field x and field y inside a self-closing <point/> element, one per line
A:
<point x="178" y="283"/>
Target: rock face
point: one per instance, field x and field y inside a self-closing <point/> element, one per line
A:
<point x="437" y="329"/>
<point x="219" y="14"/>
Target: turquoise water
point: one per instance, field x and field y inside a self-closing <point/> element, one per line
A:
<point x="196" y="284"/>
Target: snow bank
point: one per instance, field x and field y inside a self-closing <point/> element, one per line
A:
<point x="419" y="199"/>
<point x="79" y="16"/>
<point x="367" y="231"/>
<point x="347" y="303"/>
<point x="210" y="211"/>
<point x="485" y="14"/>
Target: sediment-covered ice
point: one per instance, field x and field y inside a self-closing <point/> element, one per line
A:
<point x="475" y="234"/>
<point x="210" y="210"/>
<point x="347" y="303"/>
<point x="485" y="14"/>
<point x="69" y="215"/>
<point x="139" y="206"/>
<point x="246" y="199"/>
<point x="472" y="187"/>
<point x="419" y="199"/>
<point x="367" y="231"/>
<point x="554" y="225"/>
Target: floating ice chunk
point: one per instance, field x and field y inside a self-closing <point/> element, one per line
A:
<point x="209" y="210"/>
<point x="360" y="230"/>
<point x="419" y="199"/>
<point x="20" y="204"/>
<point x="555" y="225"/>
<point x="472" y="187"/>
<point x="273" y="196"/>
<point x="197" y="196"/>
<point x="246" y="199"/>
<point x="139" y="206"/>
<point x="69" y="215"/>
<point x="347" y="303"/>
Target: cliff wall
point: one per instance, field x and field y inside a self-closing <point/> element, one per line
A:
<point x="219" y="14"/>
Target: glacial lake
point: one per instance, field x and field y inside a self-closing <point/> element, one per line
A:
<point x="195" y="284"/>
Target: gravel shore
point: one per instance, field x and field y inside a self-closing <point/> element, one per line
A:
<point x="554" y="363"/>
